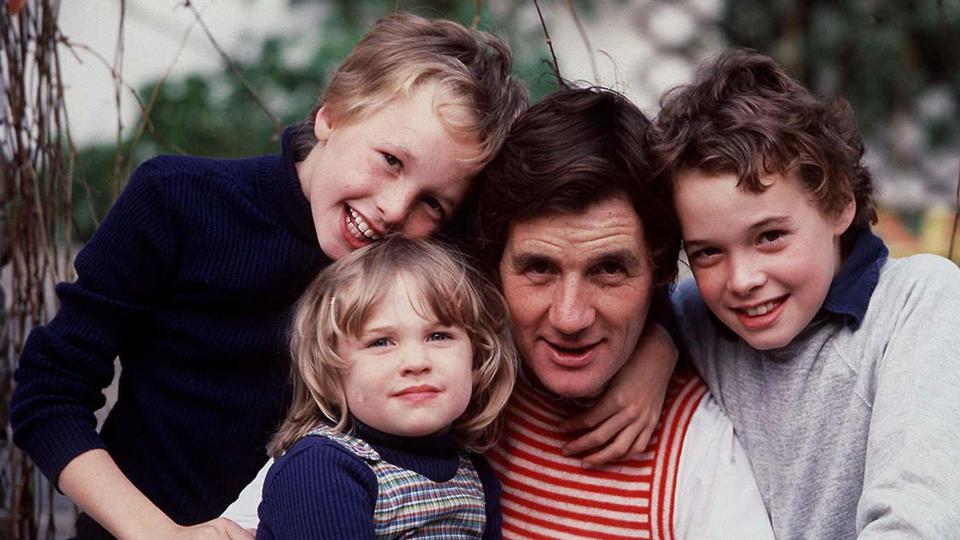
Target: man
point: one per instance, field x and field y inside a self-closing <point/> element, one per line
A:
<point x="585" y="247"/>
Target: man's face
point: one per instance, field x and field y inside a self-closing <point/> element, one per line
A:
<point x="578" y="287"/>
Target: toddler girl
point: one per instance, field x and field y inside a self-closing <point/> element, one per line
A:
<point x="401" y="371"/>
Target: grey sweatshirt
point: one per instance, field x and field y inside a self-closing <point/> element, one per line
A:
<point x="853" y="430"/>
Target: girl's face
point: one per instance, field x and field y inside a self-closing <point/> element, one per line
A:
<point x="397" y="169"/>
<point x="408" y="375"/>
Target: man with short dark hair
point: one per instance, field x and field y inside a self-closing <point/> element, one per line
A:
<point x="584" y="246"/>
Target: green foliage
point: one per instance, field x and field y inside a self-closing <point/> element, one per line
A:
<point x="880" y="56"/>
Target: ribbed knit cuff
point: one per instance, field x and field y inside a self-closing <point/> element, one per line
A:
<point x="56" y="442"/>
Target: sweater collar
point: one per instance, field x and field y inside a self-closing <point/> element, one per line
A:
<point x="435" y="457"/>
<point x="442" y="445"/>
<point x="852" y="287"/>
<point x="283" y="198"/>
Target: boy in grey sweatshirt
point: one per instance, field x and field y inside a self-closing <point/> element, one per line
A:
<point x="837" y="364"/>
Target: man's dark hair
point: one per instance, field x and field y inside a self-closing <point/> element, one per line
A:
<point x="574" y="148"/>
<point x="744" y="115"/>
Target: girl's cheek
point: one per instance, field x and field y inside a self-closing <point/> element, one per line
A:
<point x="420" y="225"/>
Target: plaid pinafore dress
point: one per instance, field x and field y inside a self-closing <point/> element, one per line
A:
<point x="410" y="505"/>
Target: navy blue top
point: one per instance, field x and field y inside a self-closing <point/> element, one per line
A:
<point x="190" y="280"/>
<point x="852" y="287"/>
<point x="319" y="489"/>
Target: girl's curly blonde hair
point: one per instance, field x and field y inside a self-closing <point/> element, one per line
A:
<point x="341" y="299"/>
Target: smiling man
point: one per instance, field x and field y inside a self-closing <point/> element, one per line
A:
<point x="585" y="248"/>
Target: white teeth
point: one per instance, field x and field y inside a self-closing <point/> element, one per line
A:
<point x="359" y="228"/>
<point x="762" y="309"/>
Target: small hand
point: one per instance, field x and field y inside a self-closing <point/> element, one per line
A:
<point x="215" y="529"/>
<point x="622" y="422"/>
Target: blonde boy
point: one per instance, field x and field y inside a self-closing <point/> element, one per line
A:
<point x="192" y="276"/>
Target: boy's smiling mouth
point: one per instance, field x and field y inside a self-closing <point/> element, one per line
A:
<point x="762" y="315"/>
<point x="357" y="226"/>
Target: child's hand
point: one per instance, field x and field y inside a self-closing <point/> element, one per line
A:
<point x="622" y="421"/>
<point x="215" y="529"/>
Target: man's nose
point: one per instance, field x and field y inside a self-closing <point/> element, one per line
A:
<point x="572" y="310"/>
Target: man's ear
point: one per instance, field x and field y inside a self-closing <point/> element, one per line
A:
<point x="845" y="217"/>
<point x="321" y="125"/>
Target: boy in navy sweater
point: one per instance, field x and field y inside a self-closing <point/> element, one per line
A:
<point x="191" y="277"/>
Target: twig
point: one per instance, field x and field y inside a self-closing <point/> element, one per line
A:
<point x="145" y="111"/>
<point x="586" y="41"/>
<point x="476" y="14"/>
<point x="546" y="35"/>
<point x="140" y="104"/>
<point x="277" y="125"/>
<point x="117" y="91"/>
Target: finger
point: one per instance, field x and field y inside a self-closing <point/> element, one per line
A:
<point x="605" y="433"/>
<point x="639" y="446"/>
<point x="617" y="450"/>
<point x="603" y="410"/>
<point x="235" y="531"/>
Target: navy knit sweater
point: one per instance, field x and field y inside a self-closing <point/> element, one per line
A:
<point x="190" y="280"/>
<point x="319" y="489"/>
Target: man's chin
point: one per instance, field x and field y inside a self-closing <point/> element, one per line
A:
<point x="572" y="389"/>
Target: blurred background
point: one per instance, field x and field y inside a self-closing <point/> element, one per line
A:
<point x="94" y="88"/>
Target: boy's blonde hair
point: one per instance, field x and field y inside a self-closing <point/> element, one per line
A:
<point x="341" y="299"/>
<point x="403" y="51"/>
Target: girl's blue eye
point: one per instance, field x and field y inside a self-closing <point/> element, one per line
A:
<point x="439" y="336"/>
<point x="381" y="342"/>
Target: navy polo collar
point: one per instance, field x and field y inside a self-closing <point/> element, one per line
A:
<point x="852" y="287"/>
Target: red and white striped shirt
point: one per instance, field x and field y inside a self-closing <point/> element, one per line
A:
<point x="548" y="495"/>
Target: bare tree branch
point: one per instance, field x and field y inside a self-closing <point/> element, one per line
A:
<point x="277" y="125"/>
<point x="586" y="41"/>
<point x="546" y="35"/>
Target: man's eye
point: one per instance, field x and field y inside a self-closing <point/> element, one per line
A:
<point x="538" y="267"/>
<point x="391" y="160"/>
<point x="611" y="267"/>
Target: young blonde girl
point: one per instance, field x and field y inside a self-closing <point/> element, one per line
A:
<point x="401" y="370"/>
